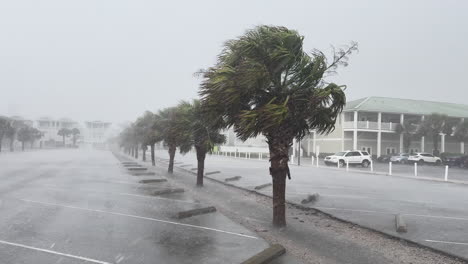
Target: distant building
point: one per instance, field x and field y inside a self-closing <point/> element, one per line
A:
<point x="369" y="124"/>
<point x="96" y="133"/>
<point x="50" y="127"/>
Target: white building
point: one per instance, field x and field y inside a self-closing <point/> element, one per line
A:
<point x="50" y="127"/>
<point x="96" y="133"/>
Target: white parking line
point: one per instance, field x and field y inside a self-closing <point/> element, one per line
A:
<point x="55" y="187"/>
<point x="139" y="217"/>
<point x="447" y="242"/>
<point x="438" y="216"/>
<point x="54" y="252"/>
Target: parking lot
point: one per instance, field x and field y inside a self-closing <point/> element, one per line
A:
<point x="436" y="212"/>
<point x="78" y="206"/>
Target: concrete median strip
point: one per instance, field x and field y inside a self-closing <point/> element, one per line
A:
<point x="259" y="187"/>
<point x="235" y="178"/>
<point x="153" y="181"/>
<point x="267" y="255"/>
<point x="212" y="172"/>
<point x="400" y="224"/>
<point x="310" y="198"/>
<point x="168" y="191"/>
<point x="194" y="212"/>
<point x="145" y="173"/>
<point x="137" y="169"/>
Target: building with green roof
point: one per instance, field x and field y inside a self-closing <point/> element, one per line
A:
<point x="370" y="124"/>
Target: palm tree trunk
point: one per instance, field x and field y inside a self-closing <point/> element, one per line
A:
<point x="435" y="142"/>
<point x="201" y="155"/>
<point x="279" y="170"/>
<point x="172" y="150"/>
<point x="132" y="152"/>
<point x="11" y="145"/>
<point x="144" y="154"/>
<point x="136" y="152"/>
<point x="153" y="162"/>
<point x="63" y="140"/>
<point x="22" y="145"/>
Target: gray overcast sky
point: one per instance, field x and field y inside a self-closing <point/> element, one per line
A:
<point x="112" y="59"/>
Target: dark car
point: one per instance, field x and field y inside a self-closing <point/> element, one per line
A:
<point x="384" y="158"/>
<point x="454" y="160"/>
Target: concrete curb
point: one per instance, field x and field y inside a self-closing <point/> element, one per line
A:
<point x="235" y="178"/>
<point x="168" y="191"/>
<point x="267" y="255"/>
<point x="137" y="169"/>
<point x="259" y="187"/>
<point x="153" y="181"/>
<point x="194" y="212"/>
<point x="147" y="173"/>
<point x="212" y="172"/>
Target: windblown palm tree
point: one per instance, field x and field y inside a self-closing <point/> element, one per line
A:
<point x="264" y="83"/>
<point x="24" y="135"/>
<point x="203" y="130"/>
<point x="461" y="131"/>
<point x="433" y="126"/>
<point x="148" y="133"/>
<point x="75" y="132"/>
<point x="167" y="129"/>
<point x="407" y="129"/>
<point x="64" y="132"/>
<point x="4" y="124"/>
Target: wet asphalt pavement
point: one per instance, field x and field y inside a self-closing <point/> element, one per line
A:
<point x="82" y="206"/>
<point x="436" y="212"/>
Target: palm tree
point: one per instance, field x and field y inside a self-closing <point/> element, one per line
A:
<point x="264" y="83"/>
<point x="74" y="132"/>
<point x="407" y="129"/>
<point x="433" y="126"/>
<point x="4" y="124"/>
<point x="461" y="131"/>
<point x="64" y="132"/>
<point x="146" y="125"/>
<point x="10" y="133"/>
<point x="24" y="135"/>
<point x="36" y="134"/>
<point x="167" y="128"/>
<point x="203" y="131"/>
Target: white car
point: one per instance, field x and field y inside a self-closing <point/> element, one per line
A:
<point x="422" y="158"/>
<point x="351" y="157"/>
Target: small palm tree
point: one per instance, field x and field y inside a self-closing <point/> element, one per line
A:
<point x="461" y="131"/>
<point x="407" y="129"/>
<point x="10" y="133"/>
<point x="433" y="126"/>
<point x="24" y="135"/>
<point x="147" y="133"/>
<point x="167" y="125"/>
<point x="264" y="83"/>
<point x="4" y="124"/>
<point x="64" y="132"/>
<point x="203" y="131"/>
<point x="75" y="132"/>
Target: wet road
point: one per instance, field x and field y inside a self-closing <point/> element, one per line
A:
<point x="80" y="206"/>
<point x="436" y="212"/>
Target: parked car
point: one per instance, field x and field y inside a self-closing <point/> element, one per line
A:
<point x="400" y="158"/>
<point x="422" y="158"/>
<point x="351" y="157"/>
<point x="452" y="159"/>
<point x="384" y="158"/>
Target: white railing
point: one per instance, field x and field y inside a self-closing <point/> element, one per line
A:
<point x="370" y="125"/>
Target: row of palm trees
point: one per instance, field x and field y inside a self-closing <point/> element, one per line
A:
<point x="263" y="83"/>
<point x="66" y="132"/>
<point x="182" y="127"/>
<point x="13" y="129"/>
<point x="432" y="127"/>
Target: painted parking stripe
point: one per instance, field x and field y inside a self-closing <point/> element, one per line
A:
<point x="139" y="217"/>
<point x="439" y="216"/>
<point x="446" y="242"/>
<point x="55" y="187"/>
<point x="54" y="252"/>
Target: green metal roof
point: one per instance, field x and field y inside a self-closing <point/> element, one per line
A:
<point x="406" y="106"/>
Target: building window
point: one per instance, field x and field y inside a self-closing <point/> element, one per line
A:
<point x="367" y="149"/>
<point x="391" y="151"/>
